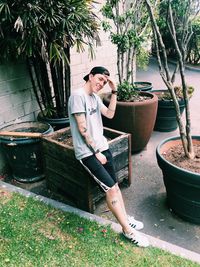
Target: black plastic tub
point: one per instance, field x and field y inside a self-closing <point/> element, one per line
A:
<point x="24" y="154"/>
<point x="57" y="124"/>
<point x="166" y="120"/>
<point x="143" y="86"/>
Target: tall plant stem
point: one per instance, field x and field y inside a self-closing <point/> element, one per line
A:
<point x="48" y="67"/>
<point x="31" y="71"/>
<point x="185" y="135"/>
<point x="181" y="56"/>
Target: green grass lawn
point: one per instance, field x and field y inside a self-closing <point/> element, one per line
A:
<point x="35" y="234"/>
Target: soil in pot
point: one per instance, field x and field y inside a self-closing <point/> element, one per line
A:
<point x="66" y="139"/>
<point x="176" y="156"/>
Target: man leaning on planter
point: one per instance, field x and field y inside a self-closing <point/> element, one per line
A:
<point x="85" y="108"/>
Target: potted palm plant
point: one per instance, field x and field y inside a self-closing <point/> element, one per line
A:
<point x="127" y="25"/>
<point x="42" y="33"/>
<point x="178" y="156"/>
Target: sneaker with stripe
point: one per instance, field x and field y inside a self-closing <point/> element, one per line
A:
<point x="137" y="239"/>
<point x="137" y="225"/>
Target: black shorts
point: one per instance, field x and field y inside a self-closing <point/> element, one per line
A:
<point x="103" y="174"/>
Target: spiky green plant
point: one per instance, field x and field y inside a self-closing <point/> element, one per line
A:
<point x="42" y="32"/>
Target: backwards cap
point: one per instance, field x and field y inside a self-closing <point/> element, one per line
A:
<point x="97" y="70"/>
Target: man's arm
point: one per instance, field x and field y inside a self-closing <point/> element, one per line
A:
<point x="82" y="127"/>
<point x="81" y="122"/>
<point x="109" y="111"/>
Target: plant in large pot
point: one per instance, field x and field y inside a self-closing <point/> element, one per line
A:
<point x="42" y="33"/>
<point x="127" y="25"/>
<point x="178" y="157"/>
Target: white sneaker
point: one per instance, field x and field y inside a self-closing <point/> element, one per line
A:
<point x="134" y="223"/>
<point x="137" y="238"/>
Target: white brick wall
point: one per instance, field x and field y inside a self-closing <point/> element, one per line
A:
<point x="81" y="64"/>
<point x="105" y="55"/>
<point x="17" y="102"/>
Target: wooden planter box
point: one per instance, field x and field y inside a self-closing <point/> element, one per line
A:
<point x="66" y="176"/>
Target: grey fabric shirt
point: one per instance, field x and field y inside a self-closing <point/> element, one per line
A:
<point x="80" y="102"/>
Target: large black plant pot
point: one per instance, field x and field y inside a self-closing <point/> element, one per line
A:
<point x="143" y="86"/>
<point x="182" y="186"/>
<point x="56" y="123"/>
<point x="24" y="154"/>
<point x="166" y="120"/>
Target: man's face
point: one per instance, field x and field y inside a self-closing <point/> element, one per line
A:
<point x="98" y="81"/>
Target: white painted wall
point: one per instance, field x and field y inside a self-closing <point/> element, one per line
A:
<point x="105" y="55"/>
<point x="17" y="101"/>
<point x="81" y="64"/>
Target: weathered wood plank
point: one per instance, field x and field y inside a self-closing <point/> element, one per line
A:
<point x="70" y="172"/>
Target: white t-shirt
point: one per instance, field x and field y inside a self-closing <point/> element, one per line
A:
<point x="81" y="102"/>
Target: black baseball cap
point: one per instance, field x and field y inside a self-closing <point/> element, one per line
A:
<point x="97" y="70"/>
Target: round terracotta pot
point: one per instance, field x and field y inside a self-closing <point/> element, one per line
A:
<point x="182" y="186"/>
<point x="137" y="118"/>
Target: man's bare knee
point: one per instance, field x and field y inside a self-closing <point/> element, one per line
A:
<point x="112" y="191"/>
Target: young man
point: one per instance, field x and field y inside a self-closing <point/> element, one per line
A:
<point x="91" y="147"/>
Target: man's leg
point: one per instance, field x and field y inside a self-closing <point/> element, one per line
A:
<point x="113" y="200"/>
<point x="138" y="225"/>
<point x="121" y="200"/>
